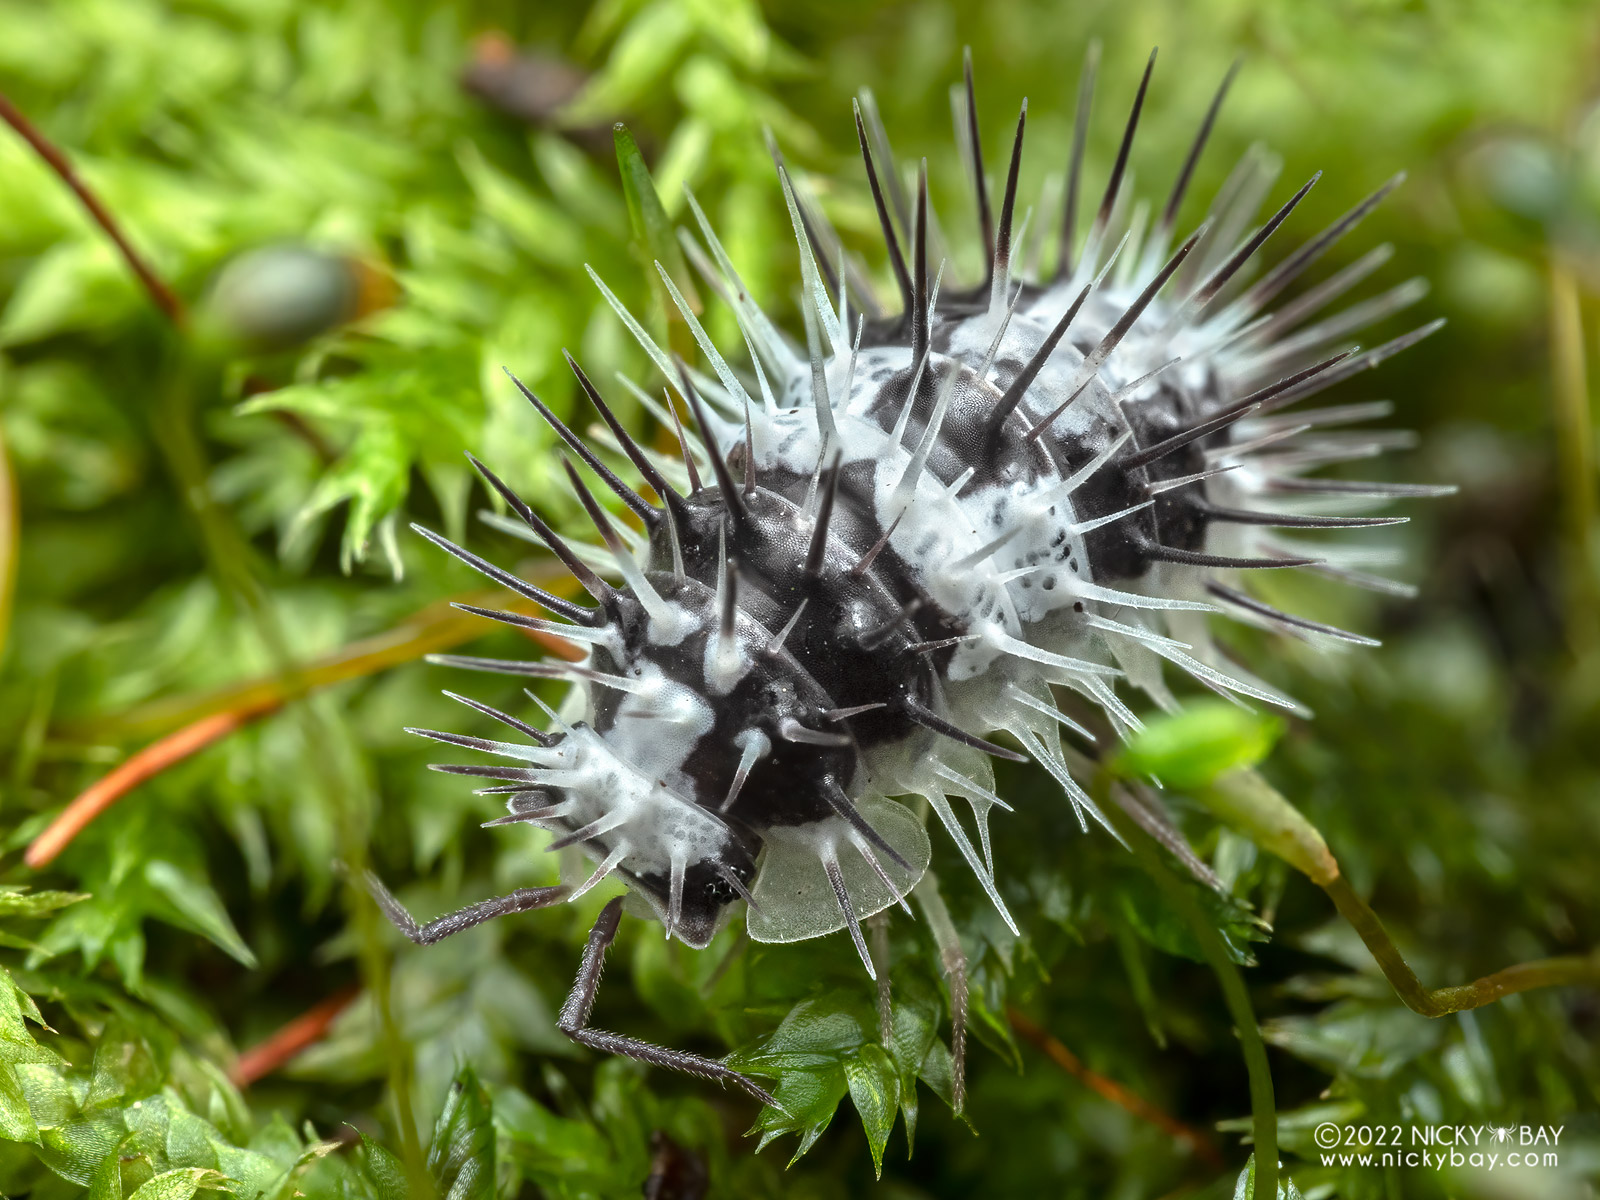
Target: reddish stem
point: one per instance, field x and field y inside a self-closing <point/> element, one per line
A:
<point x="305" y="1030"/>
<point x="150" y="761"/>
<point x="250" y="702"/>
<point x="1111" y="1090"/>
<point x="165" y="298"/>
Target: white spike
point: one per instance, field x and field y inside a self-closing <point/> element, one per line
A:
<point x="1082" y="802"/>
<point x="980" y="799"/>
<point x="1017" y="573"/>
<point x="1023" y="696"/>
<point x="1218" y="679"/>
<point x="1128" y="390"/>
<point x="1020" y="649"/>
<point x="946" y="814"/>
<point x="730" y="381"/>
<point x="1135" y="236"/>
<point x="844" y="291"/>
<point x="1239" y="450"/>
<point x="1083" y="589"/>
<point x="1096" y="358"/>
<point x="960" y="481"/>
<point x="933" y="293"/>
<point x="791" y="730"/>
<point x="1019" y="240"/>
<point x="1330" y="289"/>
<point x="906" y="488"/>
<point x="1107" y="625"/>
<point x="1333" y="414"/>
<point x="1167" y="485"/>
<point x="865" y="849"/>
<point x="589" y="675"/>
<point x="1103" y="695"/>
<point x="830" y="864"/>
<point x="724" y="665"/>
<point x="820" y="400"/>
<point x="977" y="789"/>
<point x="675" y="892"/>
<point x="967" y="561"/>
<point x="808" y="506"/>
<point x="809" y="273"/>
<point x="1091" y="250"/>
<point x="899" y="431"/>
<point x="760" y="327"/>
<point x="999" y="334"/>
<point x="612" y="861"/>
<point x="549" y="712"/>
<point x="1357" y="316"/>
<point x="776" y="644"/>
<point x="645" y="341"/>
<point x="1089" y="526"/>
<point x="753" y="746"/>
<point x="716" y="283"/>
<point x="1074" y="481"/>
<point x="850" y="371"/>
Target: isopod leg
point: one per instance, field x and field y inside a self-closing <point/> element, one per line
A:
<point x="574" y="1018"/>
<point x="878" y="929"/>
<point x="954" y="960"/>
<point x="521" y="900"/>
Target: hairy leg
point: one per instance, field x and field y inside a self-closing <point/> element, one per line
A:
<point x="954" y="960"/>
<point x="574" y="1018"/>
<point x="521" y="900"/>
<point x="878" y="928"/>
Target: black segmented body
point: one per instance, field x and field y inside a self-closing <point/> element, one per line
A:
<point x="911" y="533"/>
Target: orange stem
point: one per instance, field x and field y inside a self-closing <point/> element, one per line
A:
<point x="165" y="298"/>
<point x="1110" y="1089"/>
<point x="106" y="791"/>
<point x="305" y="1030"/>
<point x="432" y="630"/>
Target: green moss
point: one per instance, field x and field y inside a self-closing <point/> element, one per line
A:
<point x="200" y="511"/>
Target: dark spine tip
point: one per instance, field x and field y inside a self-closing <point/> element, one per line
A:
<point x="1196" y="558"/>
<point x="554" y="604"/>
<point x="1125" y="322"/>
<point x="1263" y="292"/>
<point x="630" y="447"/>
<point x="1227" y="270"/>
<point x="1008" y="205"/>
<point x="591" y="582"/>
<point x="816" y="552"/>
<point x="626" y="494"/>
<point x="1024" y="380"/>
<point x="920" y="333"/>
<point x="931" y="720"/>
<point x="725" y="482"/>
<point x="1169" y="214"/>
<point x="985" y="217"/>
<point x="1080" y="137"/>
<point x="891" y="242"/>
<point x="597" y="515"/>
<point x="1242" y="408"/>
<point x="1109" y="202"/>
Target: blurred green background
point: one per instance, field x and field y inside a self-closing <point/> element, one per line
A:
<point x="208" y="524"/>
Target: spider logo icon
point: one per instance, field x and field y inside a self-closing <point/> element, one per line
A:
<point x="1503" y="1133"/>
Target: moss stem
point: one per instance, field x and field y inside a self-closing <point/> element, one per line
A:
<point x="1248" y="803"/>
<point x="1263" y="1107"/>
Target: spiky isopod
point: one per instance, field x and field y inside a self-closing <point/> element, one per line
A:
<point x="912" y="532"/>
